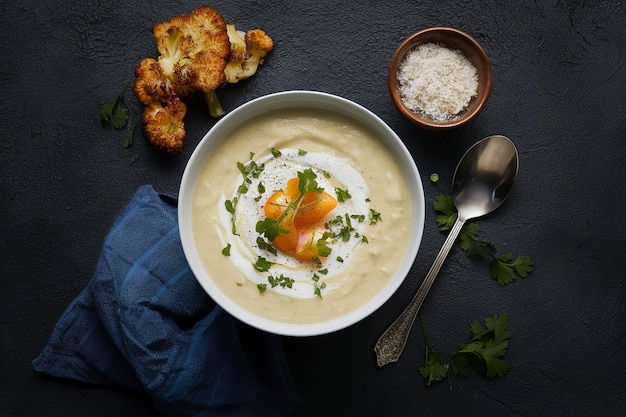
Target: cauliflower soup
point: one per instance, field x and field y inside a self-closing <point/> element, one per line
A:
<point x="349" y="229"/>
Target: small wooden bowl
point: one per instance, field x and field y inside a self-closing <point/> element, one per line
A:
<point x="452" y="39"/>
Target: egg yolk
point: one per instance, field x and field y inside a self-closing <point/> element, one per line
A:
<point x="302" y="221"/>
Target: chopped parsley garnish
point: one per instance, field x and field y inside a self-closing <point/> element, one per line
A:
<point x="375" y="217"/>
<point x="342" y="195"/>
<point x="231" y="205"/>
<point x="262" y="264"/>
<point x="322" y="245"/>
<point x="262" y="244"/>
<point x="358" y="217"/>
<point x="226" y="250"/>
<point x="318" y="289"/>
<point x="282" y="280"/>
<point x="276" y="153"/>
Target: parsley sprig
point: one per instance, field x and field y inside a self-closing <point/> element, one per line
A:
<point x="484" y="352"/>
<point x="504" y="269"/>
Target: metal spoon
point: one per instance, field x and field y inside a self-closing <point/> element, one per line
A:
<point x="482" y="181"/>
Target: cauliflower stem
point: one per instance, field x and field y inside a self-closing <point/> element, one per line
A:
<point x="213" y="104"/>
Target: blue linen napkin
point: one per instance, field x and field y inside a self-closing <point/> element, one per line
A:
<point x="144" y="323"/>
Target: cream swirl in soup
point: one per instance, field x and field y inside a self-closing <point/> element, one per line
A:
<point x="345" y="224"/>
<point x="366" y="232"/>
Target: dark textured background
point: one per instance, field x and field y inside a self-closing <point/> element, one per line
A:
<point x="559" y="92"/>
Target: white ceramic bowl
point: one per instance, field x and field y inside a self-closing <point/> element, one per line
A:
<point x="285" y="100"/>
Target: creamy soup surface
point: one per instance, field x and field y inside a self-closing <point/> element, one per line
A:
<point x="345" y="156"/>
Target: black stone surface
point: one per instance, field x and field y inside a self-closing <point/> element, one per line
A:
<point x="559" y="92"/>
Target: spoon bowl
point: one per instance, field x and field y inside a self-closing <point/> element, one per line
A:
<point x="484" y="176"/>
<point x="482" y="181"/>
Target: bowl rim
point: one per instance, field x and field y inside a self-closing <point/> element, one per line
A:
<point x="399" y="55"/>
<point x="263" y="105"/>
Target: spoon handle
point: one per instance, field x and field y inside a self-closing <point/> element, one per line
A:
<point x="391" y="343"/>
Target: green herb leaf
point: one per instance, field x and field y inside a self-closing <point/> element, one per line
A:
<point x="283" y="281"/>
<point x="375" y="217"/>
<point x="262" y="264"/>
<point x="504" y="270"/>
<point x="445" y="206"/>
<point x="484" y="352"/>
<point x="433" y="371"/>
<point x="128" y="138"/>
<point x="318" y="289"/>
<point x="472" y="243"/>
<point x="270" y="228"/>
<point x="230" y="206"/>
<point x="342" y="195"/>
<point x="322" y="245"/>
<point x="486" y="348"/>
<point x="114" y="112"/>
<point x="307" y="182"/>
<point x="226" y="250"/>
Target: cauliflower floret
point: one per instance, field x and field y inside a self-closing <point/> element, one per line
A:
<point x="257" y="45"/>
<point x="163" y="124"/>
<point x="150" y="84"/>
<point x="237" y="44"/>
<point x="194" y="50"/>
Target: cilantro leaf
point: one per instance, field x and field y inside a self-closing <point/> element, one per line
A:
<point x="459" y="364"/>
<point x="307" y="182"/>
<point x="270" y="228"/>
<point x="472" y="243"/>
<point x="445" y="206"/>
<point x="504" y="270"/>
<point x="114" y="112"/>
<point x="433" y="371"/>
<point x="485" y="350"/>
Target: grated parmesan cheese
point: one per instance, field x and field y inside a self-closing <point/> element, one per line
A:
<point x="437" y="82"/>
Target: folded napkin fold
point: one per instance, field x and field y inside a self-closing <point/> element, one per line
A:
<point x="144" y="323"/>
